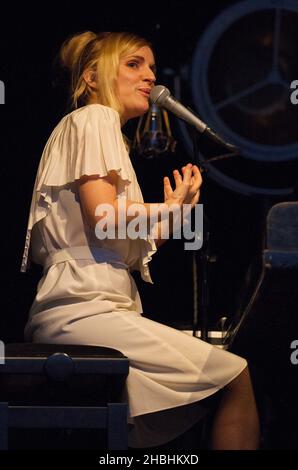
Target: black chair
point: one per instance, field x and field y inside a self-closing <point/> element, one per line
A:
<point x="55" y="386"/>
<point x="269" y="325"/>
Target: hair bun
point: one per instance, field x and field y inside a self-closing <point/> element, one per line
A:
<point x="72" y="48"/>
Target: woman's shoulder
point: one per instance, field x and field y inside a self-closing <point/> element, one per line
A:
<point x="94" y="111"/>
<point x="83" y="121"/>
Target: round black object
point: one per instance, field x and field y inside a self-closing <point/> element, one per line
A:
<point x="59" y="367"/>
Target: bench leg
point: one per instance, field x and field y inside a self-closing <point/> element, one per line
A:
<point x="3" y="426"/>
<point x="117" y="426"/>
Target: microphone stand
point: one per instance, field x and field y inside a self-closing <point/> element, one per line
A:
<point x="202" y="259"/>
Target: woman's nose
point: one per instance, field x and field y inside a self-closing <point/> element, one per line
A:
<point x="150" y="76"/>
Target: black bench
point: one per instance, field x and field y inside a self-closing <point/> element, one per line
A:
<point x="53" y="386"/>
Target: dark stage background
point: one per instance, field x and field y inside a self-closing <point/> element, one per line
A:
<point x="35" y="101"/>
<point x="263" y="124"/>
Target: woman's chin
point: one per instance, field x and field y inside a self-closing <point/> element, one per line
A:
<point x="142" y="110"/>
<point x="137" y="112"/>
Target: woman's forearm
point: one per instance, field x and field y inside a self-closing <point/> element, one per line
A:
<point x="129" y="218"/>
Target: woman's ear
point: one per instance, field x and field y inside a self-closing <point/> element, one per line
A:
<point x="90" y="78"/>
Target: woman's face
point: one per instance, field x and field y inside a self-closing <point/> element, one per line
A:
<point x="136" y="78"/>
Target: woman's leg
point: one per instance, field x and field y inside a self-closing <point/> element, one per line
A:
<point x="236" y="423"/>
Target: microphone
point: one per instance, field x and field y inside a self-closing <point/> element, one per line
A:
<point x="161" y="96"/>
<point x="153" y="135"/>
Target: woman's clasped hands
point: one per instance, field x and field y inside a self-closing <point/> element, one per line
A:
<point x="187" y="184"/>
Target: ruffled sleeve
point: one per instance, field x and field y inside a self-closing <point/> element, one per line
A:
<point x="87" y="141"/>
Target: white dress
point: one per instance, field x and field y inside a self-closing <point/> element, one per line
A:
<point x="88" y="296"/>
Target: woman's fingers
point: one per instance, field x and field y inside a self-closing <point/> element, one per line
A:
<point x="186" y="186"/>
<point x="187" y="174"/>
<point x="177" y="177"/>
<point x="196" y="175"/>
<point x="197" y="178"/>
<point x="196" y="171"/>
<point x="191" y="180"/>
<point x="168" y="190"/>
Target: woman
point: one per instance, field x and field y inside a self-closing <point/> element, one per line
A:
<point x="86" y="294"/>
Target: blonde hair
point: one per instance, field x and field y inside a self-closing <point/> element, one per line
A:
<point x="100" y="53"/>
